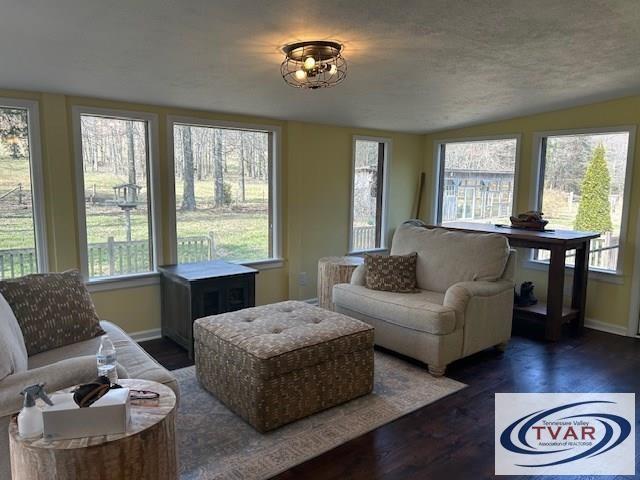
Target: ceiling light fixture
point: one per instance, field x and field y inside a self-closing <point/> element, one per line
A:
<point x="314" y="64"/>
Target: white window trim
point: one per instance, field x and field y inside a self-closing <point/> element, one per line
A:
<point x="103" y="284"/>
<point x="361" y="253"/>
<point x="153" y="172"/>
<point x="438" y="171"/>
<point x="276" y="260"/>
<point x="388" y="147"/>
<point x="37" y="177"/>
<point x="535" y="199"/>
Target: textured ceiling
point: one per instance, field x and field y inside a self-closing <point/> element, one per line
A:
<point x="413" y="65"/>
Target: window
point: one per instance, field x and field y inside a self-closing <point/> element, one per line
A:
<point x="22" y="236"/>
<point x="114" y="193"/>
<point x="583" y="184"/>
<point x="477" y="180"/>
<point x="368" y="193"/>
<point x="225" y="192"/>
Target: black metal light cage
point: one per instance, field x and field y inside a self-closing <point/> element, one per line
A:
<point x="329" y="69"/>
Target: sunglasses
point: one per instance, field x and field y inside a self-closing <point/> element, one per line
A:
<point x="143" y="395"/>
<point x="87" y="394"/>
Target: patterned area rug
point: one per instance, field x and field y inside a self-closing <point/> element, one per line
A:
<point x="214" y="444"/>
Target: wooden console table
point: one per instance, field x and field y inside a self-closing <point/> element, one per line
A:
<point x="558" y="242"/>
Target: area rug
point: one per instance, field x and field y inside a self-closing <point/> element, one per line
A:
<point x="215" y="444"/>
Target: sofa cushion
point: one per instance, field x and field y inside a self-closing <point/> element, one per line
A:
<point x="391" y="273"/>
<point x="421" y="311"/>
<point x="137" y="362"/>
<point x="13" y="353"/>
<point x="447" y="257"/>
<point x="53" y="309"/>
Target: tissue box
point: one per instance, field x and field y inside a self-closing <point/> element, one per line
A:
<point x="109" y="415"/>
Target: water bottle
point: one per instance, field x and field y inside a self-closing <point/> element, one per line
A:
<point x="106" y="359"/>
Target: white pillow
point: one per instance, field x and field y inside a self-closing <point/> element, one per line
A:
<point x="13" y="352"/>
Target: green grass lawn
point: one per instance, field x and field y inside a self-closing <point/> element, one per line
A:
<point x="562" y="216"/>
<point x="16" y="222"/>
<point x="240" y="230"/>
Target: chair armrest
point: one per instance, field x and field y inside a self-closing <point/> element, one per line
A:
<point x="510" y="268"/>
<point x="63" y="374"/>
<point x="457" y="296"/>
<point x="358" y="277"/>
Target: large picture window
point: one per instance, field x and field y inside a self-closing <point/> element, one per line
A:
<point x="476" y="180"/>
<point x="114" y="194"/>
<point x="368" y="193"/>
<point x="583" y="185"/>
<point x="22" y="239"/>
<point x="224" y="193"/>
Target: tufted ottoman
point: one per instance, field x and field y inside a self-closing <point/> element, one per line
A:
<point x="277" y="363"/>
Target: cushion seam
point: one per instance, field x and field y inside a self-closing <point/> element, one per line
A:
<point x="228" y="342"/>
<point x="445" y="308"/>
<point x="399" y="325"/>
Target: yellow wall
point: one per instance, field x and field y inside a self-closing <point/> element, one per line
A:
<point x="607" y="302"/>
<point x="319" y="172"/>
<point x="315" y="190"/>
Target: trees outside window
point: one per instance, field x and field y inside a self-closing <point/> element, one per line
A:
<point x="224" y="193"/>
<point x="188" y="203"/>
<point x="115" y="201"/>
<point x="477" y="180"/>
<point x="583" y="185"/>
<point x="594" y="209"/>
<point x="22" y="242"/>
<point x="368" y="199"/>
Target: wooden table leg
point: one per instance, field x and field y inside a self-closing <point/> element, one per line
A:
<point x="555" y="290"/>
<point x="579" y="292"/>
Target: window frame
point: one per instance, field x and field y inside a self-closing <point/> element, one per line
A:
<point x="36" y="174"/>
<point x="384" y="215"/>
<point x="275" y="197"/>
<point x="439" y="166"/>
<point x="633" y="328"/>
<point x="153" y="180"/>
<point x="538" y="188"/>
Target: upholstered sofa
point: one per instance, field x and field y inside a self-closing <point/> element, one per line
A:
<point x="463" y="304"/>
<point x="75" y="363"/>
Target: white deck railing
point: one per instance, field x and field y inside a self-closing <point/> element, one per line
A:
<point x="113" y="257"/>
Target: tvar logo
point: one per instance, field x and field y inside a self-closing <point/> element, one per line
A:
<point x="565" y="434"/>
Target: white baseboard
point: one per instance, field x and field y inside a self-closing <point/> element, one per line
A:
<point x="145" y="335"/>
<point x="605" y="327"/>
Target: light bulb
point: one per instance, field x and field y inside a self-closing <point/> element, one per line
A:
<point x="301" y="74"/>
<point x="309" y="63"/>
<point x="333" y="70"/>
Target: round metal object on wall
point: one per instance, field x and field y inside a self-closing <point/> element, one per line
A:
<point x="313" y="64"/>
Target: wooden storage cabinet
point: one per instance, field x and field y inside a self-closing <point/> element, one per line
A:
<point x="197" y="290"/>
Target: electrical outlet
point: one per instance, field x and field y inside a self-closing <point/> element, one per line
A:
<point x="303" y="280"/>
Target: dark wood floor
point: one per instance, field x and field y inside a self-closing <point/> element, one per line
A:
<point x="454" y="437"/>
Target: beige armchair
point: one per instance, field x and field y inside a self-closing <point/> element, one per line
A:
<point x="464" y="303"/>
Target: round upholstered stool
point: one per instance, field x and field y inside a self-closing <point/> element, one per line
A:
<point x="331" y="271"/>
